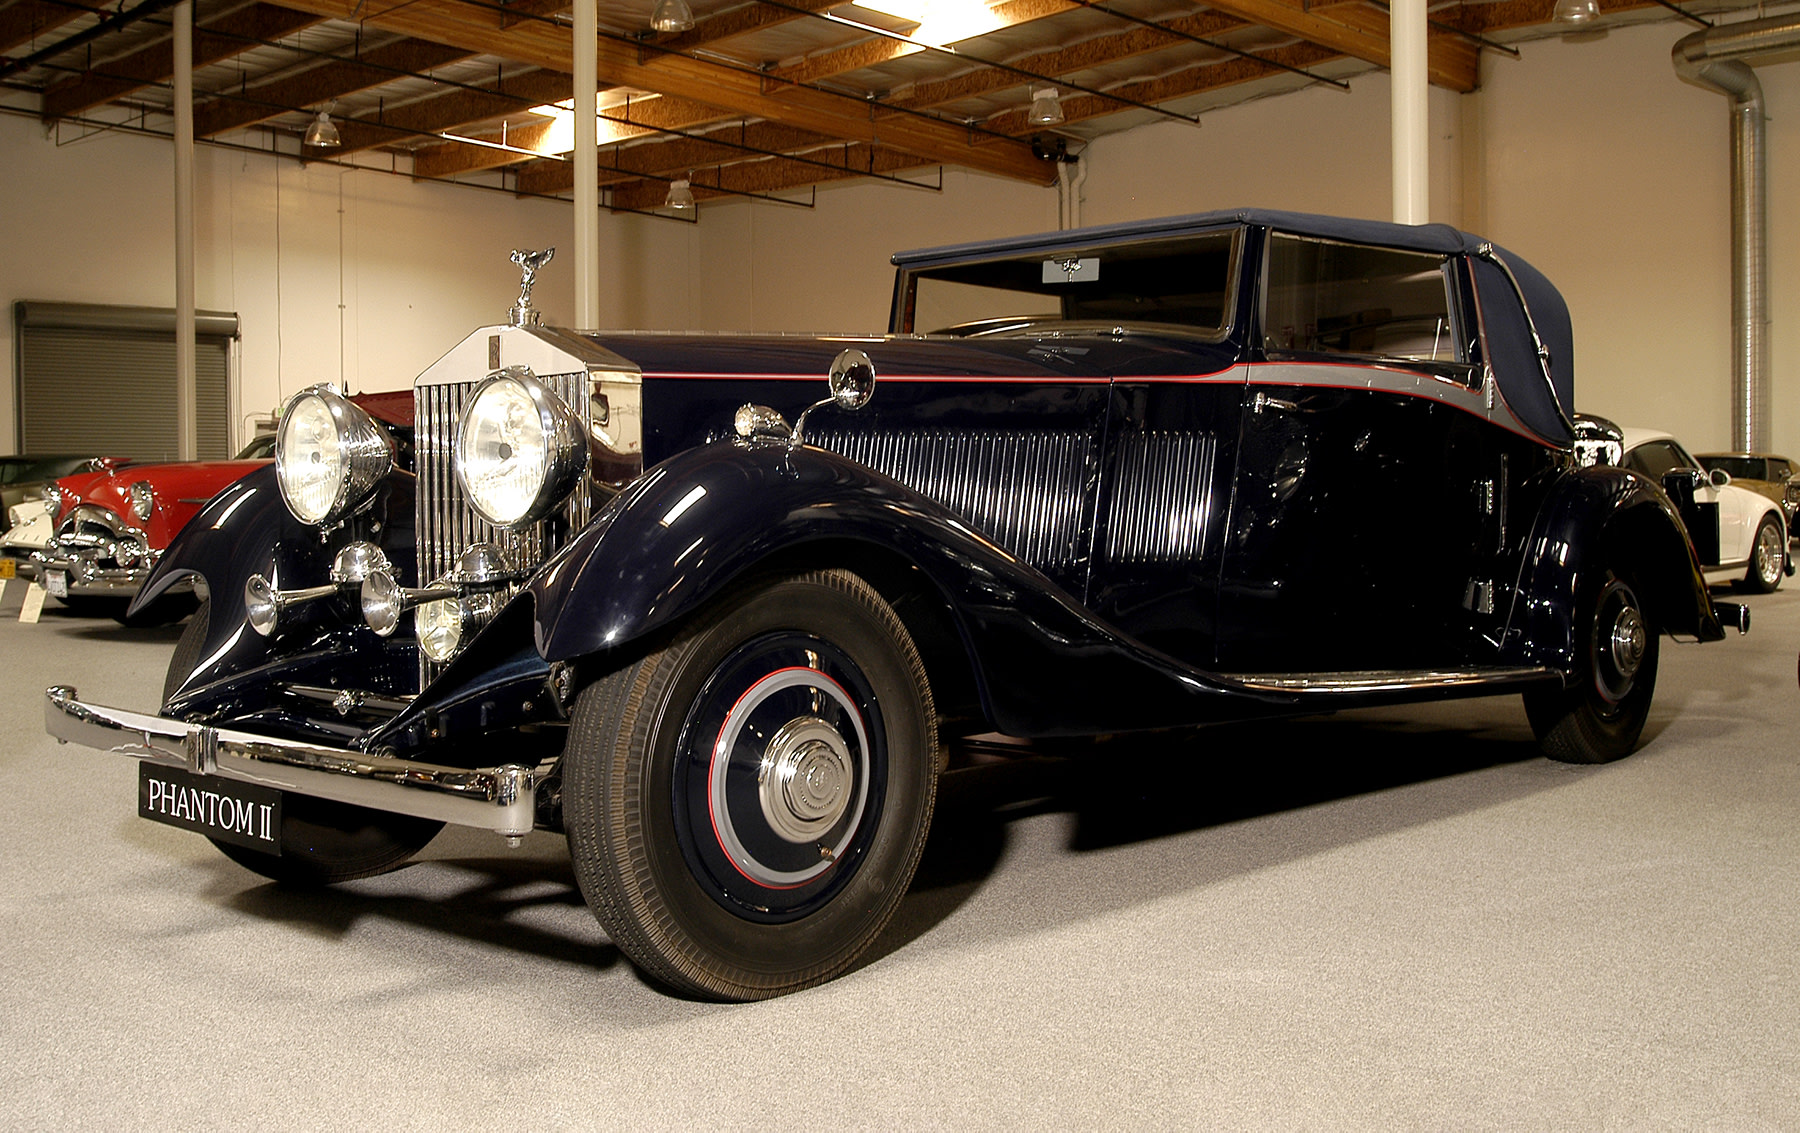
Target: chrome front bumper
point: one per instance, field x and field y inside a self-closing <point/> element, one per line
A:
<point x="502" y="799"/>
<point x="87" y="578"/>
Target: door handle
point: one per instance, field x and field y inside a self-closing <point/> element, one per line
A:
<point x="1263" y="401"/>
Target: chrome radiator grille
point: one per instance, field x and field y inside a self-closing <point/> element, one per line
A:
<point x="446" y="524"/>
<point x="1022" y="490"/>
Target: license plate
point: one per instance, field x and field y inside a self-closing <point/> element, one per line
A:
<point x="57" y="583"/>
<point x="8" y="569"/>
<point x="240" y="813"/>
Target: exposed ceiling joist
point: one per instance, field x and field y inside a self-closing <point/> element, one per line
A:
<point x="322" y="83"/>
<point x="215" y="41"/>
<point x="1361" y="33"/>
<point x="734" y="91"/>
<point x="22" y="22"/>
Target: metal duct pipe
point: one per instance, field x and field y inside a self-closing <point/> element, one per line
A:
<point x="1718" y="59"/>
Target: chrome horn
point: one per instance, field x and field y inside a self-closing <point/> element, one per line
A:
<point x="266" y="607"/>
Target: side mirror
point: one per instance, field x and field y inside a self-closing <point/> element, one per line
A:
<point x="852" y="379"/>
<point x="1719" y="477"/>
<point x="851" y="382"/>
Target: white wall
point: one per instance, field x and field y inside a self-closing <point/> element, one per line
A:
<point x="1589" y="159"/>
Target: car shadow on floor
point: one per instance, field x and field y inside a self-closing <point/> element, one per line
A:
<point x="1350" y="773"/>
<point x="1123" y="792"/>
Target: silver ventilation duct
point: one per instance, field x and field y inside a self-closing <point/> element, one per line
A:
<point x="1719" y="59"/>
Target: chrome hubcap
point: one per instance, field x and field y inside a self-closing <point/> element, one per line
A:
<point x="1768" y="555"/>
<point x="804" y="782"/>
<point x="1628" y="643"/>
<point x="811" y="780"/>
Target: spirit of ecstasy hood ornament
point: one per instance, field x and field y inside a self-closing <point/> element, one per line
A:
<point x="529" y="262"/>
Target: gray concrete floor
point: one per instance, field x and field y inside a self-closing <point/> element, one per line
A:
<point x="1386" y="919"/>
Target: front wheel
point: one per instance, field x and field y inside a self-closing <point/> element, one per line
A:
<point x="1768" y="557"/>
<point x="746" y="806"/>
<point x="1600" y="717"/>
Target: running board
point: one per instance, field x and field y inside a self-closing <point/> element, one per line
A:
<point x="1393" y="684"/>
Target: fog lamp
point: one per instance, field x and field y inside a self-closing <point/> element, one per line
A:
<point x="439" y="625"/>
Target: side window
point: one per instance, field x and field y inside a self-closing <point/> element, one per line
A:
<point x="1321" y="297"/>
<point x="1653" y="458"/>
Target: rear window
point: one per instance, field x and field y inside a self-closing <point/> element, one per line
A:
<point x="1738" y="467"/>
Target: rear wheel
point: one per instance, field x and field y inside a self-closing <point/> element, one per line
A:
<point x="1600" y="717"/>
<point x="746" y="806"/>
<point x="1768" y="558"/>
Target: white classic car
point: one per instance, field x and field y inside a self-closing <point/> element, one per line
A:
<point x="29" y="529"/>
<point x="1740" y="536"/>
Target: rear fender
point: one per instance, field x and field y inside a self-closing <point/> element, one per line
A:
<point x="1040" y="663"/>
<point x="1600" y="517"/>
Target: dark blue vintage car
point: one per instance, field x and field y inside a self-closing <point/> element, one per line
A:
<point x="1159" y="474"/>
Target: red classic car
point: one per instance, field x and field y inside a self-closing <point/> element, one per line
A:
<point x="113" y="525"/>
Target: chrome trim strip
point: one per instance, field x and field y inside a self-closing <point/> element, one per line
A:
<point x="1388" y="681"/>
<point x="501" y="799"/>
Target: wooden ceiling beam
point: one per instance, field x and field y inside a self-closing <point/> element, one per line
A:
<point x="1506" y="15"/>
<point x="676" y="156"/>
<point x="739" y="21"/>
<point x="772" y="175"/>
<point x="326" y="81"/>
<point x="214" y="42"/>
<point x="24" y="20"/>
<point x="451" y="158"/>
<point x="736" y="92"/>
<point x="881" y="49"/>
<point x="1076" y="57"/>
<point x="1361" y="33"/>
<point x="1181" y="84"/>
<point x="404" y="123"/>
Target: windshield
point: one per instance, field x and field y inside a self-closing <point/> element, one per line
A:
<point x="262" y="448"/>
<point x="1181" y="282"/>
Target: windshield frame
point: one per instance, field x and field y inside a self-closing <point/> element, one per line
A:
<point x="907" y="283"/>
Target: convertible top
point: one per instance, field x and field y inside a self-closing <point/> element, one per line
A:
<point x="1514" y="361"/>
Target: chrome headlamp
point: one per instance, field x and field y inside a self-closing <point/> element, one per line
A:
<point x="143" y="500"/>
<point x="329" y="455"/>
<point x="519" y="449"/>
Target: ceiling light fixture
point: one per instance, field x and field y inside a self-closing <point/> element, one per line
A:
<point x="1046" y="108"/>
<point x="672" y="16"/>
<point x="1575" y="11"/>
<point x="680" y="198"/>
<point x="322" y="132"/>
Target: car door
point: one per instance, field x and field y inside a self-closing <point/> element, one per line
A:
<point x="1365" y="479"/>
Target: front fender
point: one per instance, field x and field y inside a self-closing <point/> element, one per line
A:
<point x="1042" y="664"/>
<point x="246" y="530"/>
<point x="1599" y="517"/>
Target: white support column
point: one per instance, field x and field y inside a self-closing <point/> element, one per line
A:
<point x="587" y="167"/>
<point x="187" y="424"/>
<point x="1411" y="126"/>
